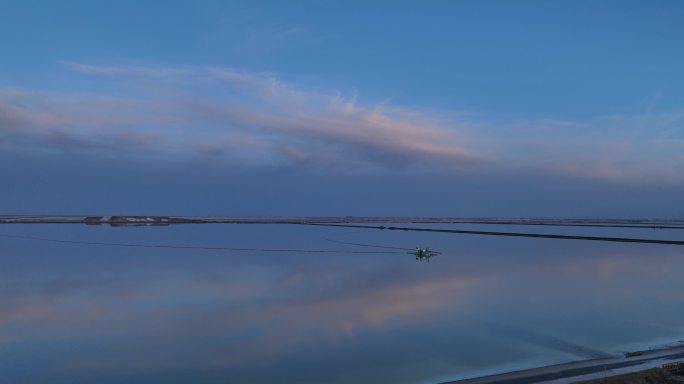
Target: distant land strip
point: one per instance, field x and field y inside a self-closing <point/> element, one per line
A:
<point x="367" y="223"/>
<point x="167" y="220"/>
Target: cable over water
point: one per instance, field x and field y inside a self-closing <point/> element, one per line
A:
<point x="367" y="245"/>
<point x="193" y="247"/>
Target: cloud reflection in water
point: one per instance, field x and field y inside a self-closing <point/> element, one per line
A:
<point x="102" y="313"/>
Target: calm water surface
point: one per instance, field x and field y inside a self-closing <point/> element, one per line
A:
<point x="87" y="313"/>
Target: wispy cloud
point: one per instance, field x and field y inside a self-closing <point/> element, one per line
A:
<point x="246" y="118"/>
<point x="632" y="149"/>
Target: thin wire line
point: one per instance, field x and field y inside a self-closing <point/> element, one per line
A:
<point x="167" y="246"/>
<point x="368" y="245"/>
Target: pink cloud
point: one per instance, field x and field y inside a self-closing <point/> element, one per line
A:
<point x="245" y="118"/>
<point x="213" y="102"/>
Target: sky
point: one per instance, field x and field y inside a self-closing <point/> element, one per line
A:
<point x="448" y="108"/>
<point x="434" y="108"/>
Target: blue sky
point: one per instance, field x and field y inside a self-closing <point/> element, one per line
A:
<point x="321" y="107"/>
